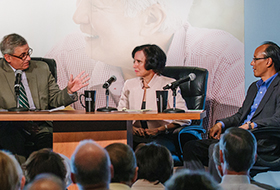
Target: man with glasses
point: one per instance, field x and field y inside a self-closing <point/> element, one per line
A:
<point x="261" y="107"/>
<point x="38" y="91"/>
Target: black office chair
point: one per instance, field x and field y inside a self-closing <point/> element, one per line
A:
<point x="194" y="93"/>
<point x="51" y="63"/>
<point x="268" y="150"/>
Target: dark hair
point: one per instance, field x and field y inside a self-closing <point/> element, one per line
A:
<point x="10" y="42"/>
<point x="44" y="161"/>
<point x="155" y="57"/>
<point x="123" y="160"/>
<point x="154" y="162"/>
<point x="273" y="51"/>
<point x="195" y="180"/>
<point x="239" y="149"/>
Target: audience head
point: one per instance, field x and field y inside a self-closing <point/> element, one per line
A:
<point x="124" y="163"/>
<point x="155" y="162"/>
<point x="91" y="166"/>
<point x="237" y="150"/>
<point x="273" y="51"/>
<point x="11" y="175"/>
<point x="195" y="180"/>
<point x="46" y="182"/>
<point x="67" y="164"/>
<point x="155" y="57"/>
<point x="44" y="161"/>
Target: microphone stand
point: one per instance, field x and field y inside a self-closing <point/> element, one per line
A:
<point x="17" y="108"/>
<point x="174" y="109"/>
<point x="107" y="108"/>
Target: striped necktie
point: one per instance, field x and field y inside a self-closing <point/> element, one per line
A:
<point x="23" y="101"/>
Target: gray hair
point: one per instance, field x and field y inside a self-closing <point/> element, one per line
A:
<point x="46" y="178"/>
<point x="11" y="172"/>
<point x="123" y="160"/>
<point x="195" y="180"/>
<point x="239" y="147"/>
<point x="176" y="11"/>
<point x="96" y="173"/>
<point x="10" y="42"/>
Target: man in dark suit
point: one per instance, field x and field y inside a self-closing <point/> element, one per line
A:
<point x="41" y="93"/>
<point x="260" y="108"/>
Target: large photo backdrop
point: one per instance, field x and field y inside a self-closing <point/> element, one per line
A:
<point x="98" y="36"/>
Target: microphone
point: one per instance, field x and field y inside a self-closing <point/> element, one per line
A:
<point x="17" y="81"/>
<point x="109" y="81"/>
<point x="176" y="83"/>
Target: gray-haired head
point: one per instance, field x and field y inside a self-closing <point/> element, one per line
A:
<point x="91" y="164"/>
<point x="10" y="42"/>
<point x="46" y="181"/>
<point x="239" y="149"/>
<point x="124" y="162"/>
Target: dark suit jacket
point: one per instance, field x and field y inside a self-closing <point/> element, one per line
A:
<point x="268" y="111"/>
<point x="45" y="92"/>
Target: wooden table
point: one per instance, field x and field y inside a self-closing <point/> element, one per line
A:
<point x="71" y="126"/>
<point x="77" y="115"/>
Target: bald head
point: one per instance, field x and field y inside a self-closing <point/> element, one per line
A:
<point x="91" y="164"/>
<point x="46" y="182"/>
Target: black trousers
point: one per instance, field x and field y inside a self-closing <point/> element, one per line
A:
<point x="22" y="138"/>
<point x="196" y="153"/>
<point x="162" y="139"/>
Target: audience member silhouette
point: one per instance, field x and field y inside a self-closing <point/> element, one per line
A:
<point x="44" y="161"/>
<point x="124" y="163"/>
<point x="91" y="166"/>
<point x="155" y="165"/>
<point x="11" y="175"/>
<point x="46" y="182"/>
<point x="194" y="180"/>
<point x="238" y="150"/>
<point x="216" y="160"/>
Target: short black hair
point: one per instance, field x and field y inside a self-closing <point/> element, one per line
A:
<point x="155" y="57"/>
<point x="273" y="51"/>
<point x="154" y="162"/>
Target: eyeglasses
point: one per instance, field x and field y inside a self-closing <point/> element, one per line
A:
<point x="256" y="59"/>
<point x="23" y="56"/>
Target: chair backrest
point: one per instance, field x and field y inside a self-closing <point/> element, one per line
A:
<point x="193" y="92"/>
<point x="51" y="63"/>
<point x="268" y="150"/>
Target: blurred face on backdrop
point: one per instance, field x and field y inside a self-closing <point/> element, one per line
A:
<point x="108" y="32"/>
<point x="19" y="60"/>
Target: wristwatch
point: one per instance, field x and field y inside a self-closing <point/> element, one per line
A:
<point x="249" y="124"/>
<point x="166" y="129"/>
